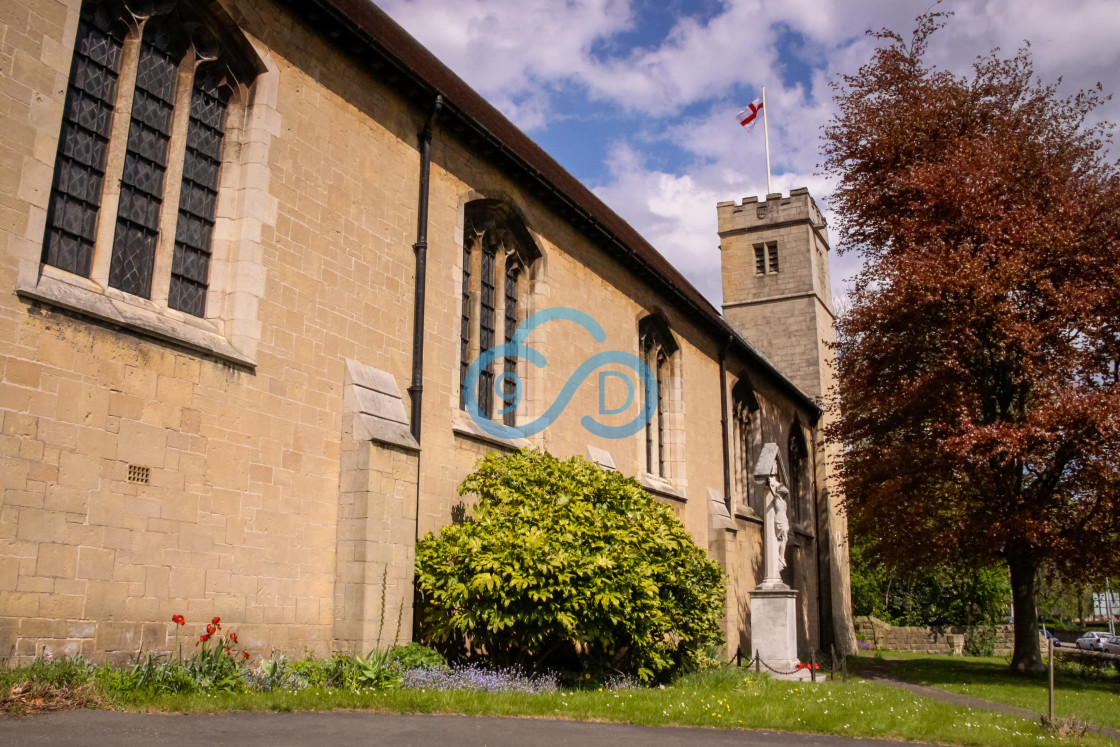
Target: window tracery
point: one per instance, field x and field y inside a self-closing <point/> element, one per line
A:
<point x="498" y="254"/>
<point x="659" y="351"/>
<point x="173" y="78"/>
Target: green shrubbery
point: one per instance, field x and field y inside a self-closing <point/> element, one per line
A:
<point x="567" y="567"/>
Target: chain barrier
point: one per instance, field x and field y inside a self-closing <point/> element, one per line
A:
<point x="756" y="660"/>
<point x="812" y="666"/>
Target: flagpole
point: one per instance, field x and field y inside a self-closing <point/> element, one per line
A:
<point x="766" y="135"/>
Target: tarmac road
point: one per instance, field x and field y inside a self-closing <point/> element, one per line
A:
<point x="116" y="729"/>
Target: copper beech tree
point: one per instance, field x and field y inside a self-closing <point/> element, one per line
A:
<point x="978" y="384"/>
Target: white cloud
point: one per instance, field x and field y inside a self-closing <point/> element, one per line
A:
<point x="517" y="53"/>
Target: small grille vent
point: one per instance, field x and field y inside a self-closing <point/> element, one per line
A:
<point x="138" y="474"/>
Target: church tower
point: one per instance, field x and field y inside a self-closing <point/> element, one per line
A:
<point x="777" y="291"/>
<point x="776" y="283"/>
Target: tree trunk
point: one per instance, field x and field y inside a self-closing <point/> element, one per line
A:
<point x="1026" y="659"/>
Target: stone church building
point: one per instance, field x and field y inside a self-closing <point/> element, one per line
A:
<point x="248" y="251"/>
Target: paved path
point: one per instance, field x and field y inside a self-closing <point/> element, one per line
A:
<point x="98" y="728"/>
<point x="880" y="676"/>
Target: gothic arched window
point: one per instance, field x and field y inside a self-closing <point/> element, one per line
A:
<point x="800" y="481"/>
<point x="181" y="75"/>
<point x="744" y="409"/>
<point x="658" y="351"/>
<point x="497" y="255"/>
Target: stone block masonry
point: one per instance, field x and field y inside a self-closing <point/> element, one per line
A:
<point x="255" y="463"/>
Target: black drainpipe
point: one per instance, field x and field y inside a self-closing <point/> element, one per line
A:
<point x="723" y="424"/>
<point x="416" y="388"/>
<point x="816" y="523"/>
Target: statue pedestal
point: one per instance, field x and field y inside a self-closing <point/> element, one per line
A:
<point x="774" y="626"/>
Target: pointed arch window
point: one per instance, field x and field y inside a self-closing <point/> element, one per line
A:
<point x="658" y="351"/>
<point x="180" y="76"/>
<point x="744" y="411"/>
<point x="498" y="257"/>
<point x="800" y="487"/>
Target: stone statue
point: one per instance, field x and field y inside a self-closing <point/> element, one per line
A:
<point x="770" y="471"/>
<point x="781" y="518"/>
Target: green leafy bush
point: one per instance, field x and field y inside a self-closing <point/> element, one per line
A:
<point x="416" y="656"/>
<point x="330" y="672"/>
<point x="569" y="567"/>
<point x="980" y="640"/>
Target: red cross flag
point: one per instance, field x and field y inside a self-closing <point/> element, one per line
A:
<point x="747" y="117"/>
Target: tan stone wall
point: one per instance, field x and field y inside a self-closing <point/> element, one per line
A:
<point x="259" y="509"/>
<point x="886" y="637"/>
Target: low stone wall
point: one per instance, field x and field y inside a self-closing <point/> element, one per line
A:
<point x="933" y="640"/>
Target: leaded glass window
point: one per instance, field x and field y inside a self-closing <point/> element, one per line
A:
<point x="497" y="249"/>
<point x="658" y="350"/>
<point x="486" y="326"/>
<point x="798" y="467"/>
<point x="83" y="142"/>
<point x="172" y="46"/>
<point x="199" y="194"/>
<point x="744" y="409"/>
<point x="647" y="355"/>
<point x="465" y="327"/>
<point x="509" y="386"/>
<point x="145" y="162"/>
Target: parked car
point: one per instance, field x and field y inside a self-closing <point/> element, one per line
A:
<point x="1111" y="645"/>
<point x="1093" y="640"/>
<point x="1050" y="636"/>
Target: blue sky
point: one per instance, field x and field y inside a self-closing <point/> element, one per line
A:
<point x="637" y="98"/>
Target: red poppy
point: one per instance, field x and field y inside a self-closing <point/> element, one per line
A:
<point x="245" y="654"/>
<point x="204" y="638"/>
<point x="178" y="619"/>
<point x="210" y="630"/>
<point x="216" y="620"/>
<point x="233" y="637"/>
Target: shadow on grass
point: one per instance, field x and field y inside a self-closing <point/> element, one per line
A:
<point x="989" y="678"/>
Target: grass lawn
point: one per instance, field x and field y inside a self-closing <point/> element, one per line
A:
<point x="727" y="698"/>
<point x="1095" y="700"/>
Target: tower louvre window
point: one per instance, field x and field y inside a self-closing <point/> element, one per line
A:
<point x="759" y="260"/>
<point x="772" y="250"/>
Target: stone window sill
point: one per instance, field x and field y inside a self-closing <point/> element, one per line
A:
<point x="463" y="425"/>
<point x="85" y="297"/>
<point x="747" y="514"/>
<point x="660" y="486"/>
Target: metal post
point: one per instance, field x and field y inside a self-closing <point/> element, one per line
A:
<point x="1108" y="605"/>
<point x="739" y="655"/>
<point x="766" y="140"/>
<point x="757" y="661"/>
<point x="1050" y="647"/>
